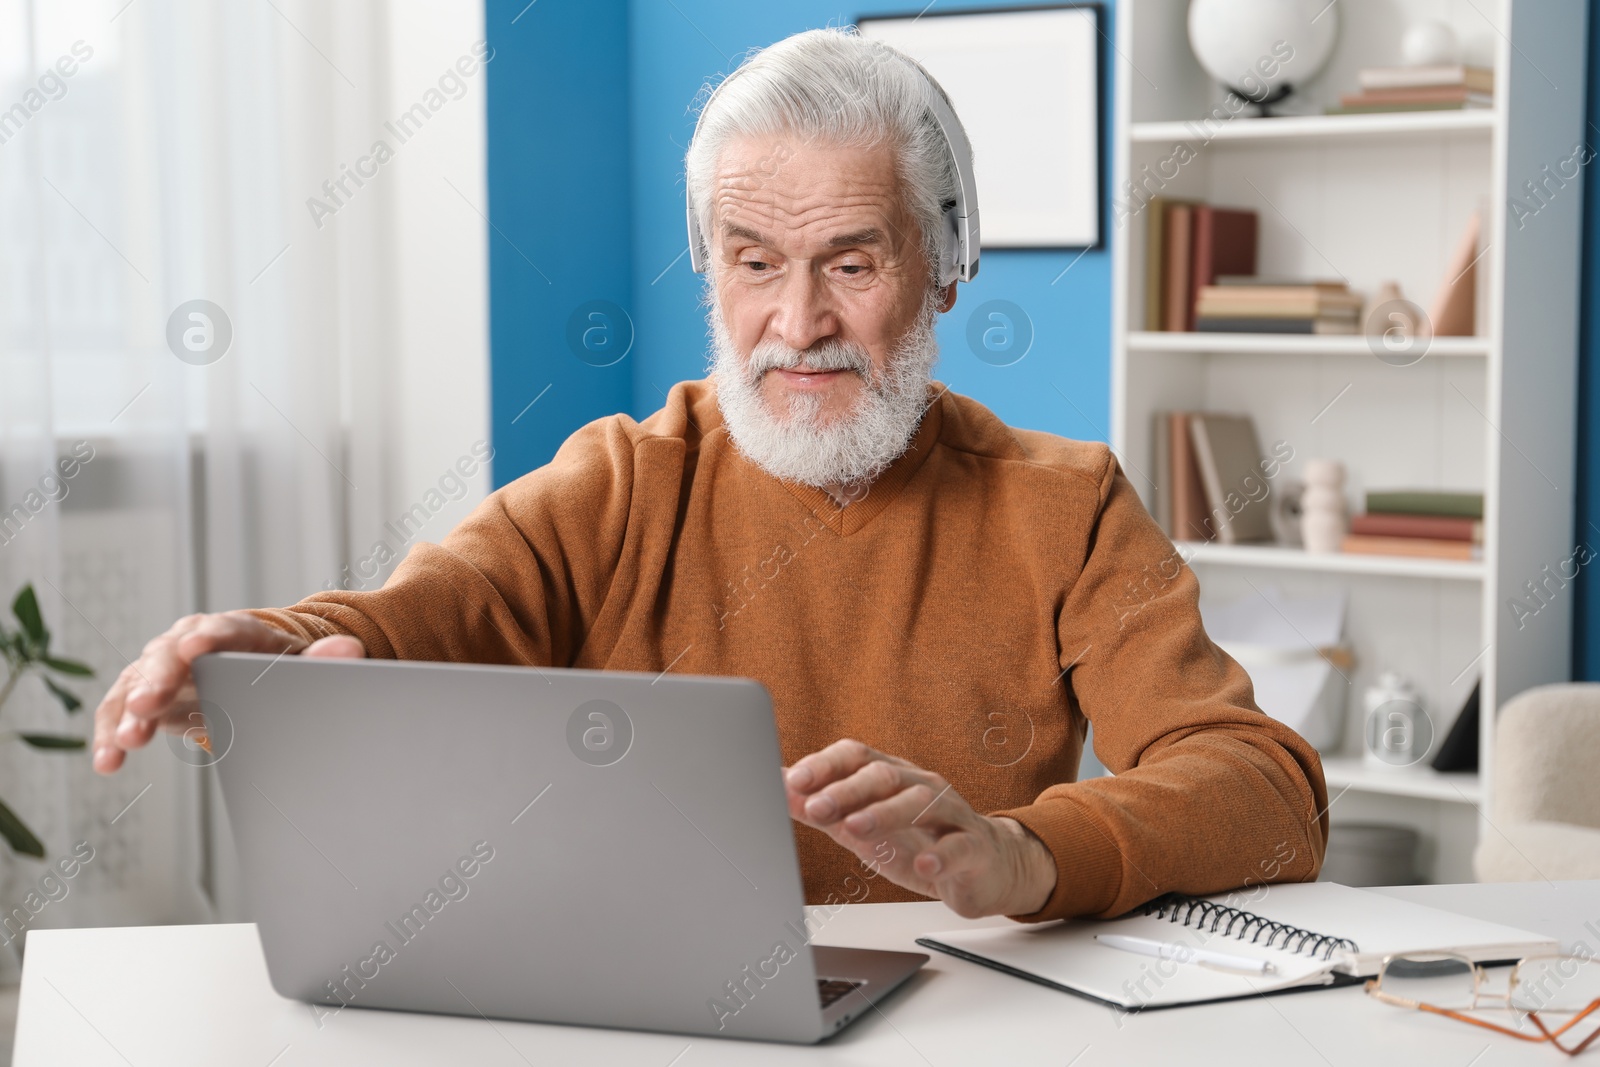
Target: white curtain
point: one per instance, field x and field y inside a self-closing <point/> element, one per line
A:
<point x="238" y="365"/>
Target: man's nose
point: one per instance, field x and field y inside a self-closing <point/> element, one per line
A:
<point x="805" y="312"/>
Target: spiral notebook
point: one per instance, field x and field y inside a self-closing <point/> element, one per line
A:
<point x="1315" y="934"/>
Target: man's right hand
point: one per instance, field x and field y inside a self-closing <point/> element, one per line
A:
<point x="156" y="691"/>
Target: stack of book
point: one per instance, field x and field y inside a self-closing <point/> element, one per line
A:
<point x="1419" y="522"/>
<point x="1247" y="304"/>
<point x="1188" y="245"/>
<point x="1452" y="87"/>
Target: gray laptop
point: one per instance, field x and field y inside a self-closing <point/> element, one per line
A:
<point x="598" y="848"/>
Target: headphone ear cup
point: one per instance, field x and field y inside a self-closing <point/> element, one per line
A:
<point x="950" y="250"/>
<point x="697" y="248"/>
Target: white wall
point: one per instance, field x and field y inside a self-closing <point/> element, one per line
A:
<point x="441" y="258"/>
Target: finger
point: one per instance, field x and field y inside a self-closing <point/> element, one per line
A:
<point x="164" y="667"/>
<point x="184" y="713"/>
<point x="336" y="646"/>
<point x="234" y="631"/>
<point x="180" y="716"/>
<point x="157" y="672"/>
<point x="877" y="781"/>
<point x="134" y="732"/>
<point x="929" y="805"/>
<point x="838" y="761"/>
<point x="106" y="756"/>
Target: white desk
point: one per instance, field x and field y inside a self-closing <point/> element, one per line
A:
<point x="169" y="996"/>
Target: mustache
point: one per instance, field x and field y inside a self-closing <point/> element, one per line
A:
<point x="830" y="356"/>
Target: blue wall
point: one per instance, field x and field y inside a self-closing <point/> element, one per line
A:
<point x="608" y="160"/>
<point x="561" y="230"/>
<point x="590" y="189"/>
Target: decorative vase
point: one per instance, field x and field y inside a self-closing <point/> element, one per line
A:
<point x="1322" y="514"/>
<point x="1397" y="731"/>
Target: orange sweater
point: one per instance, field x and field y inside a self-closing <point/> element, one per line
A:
<point x="994" y="592"/>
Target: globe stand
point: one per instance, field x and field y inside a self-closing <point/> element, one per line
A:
<point x="1265" y="100"/>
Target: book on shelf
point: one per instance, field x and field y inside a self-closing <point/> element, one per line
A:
<point x="1382" y="109"/>
<point x="1276" y="301"/>
<point x="1439" y="527"/>
<point x="1208" y="467"/>
<point x="1161" y="449"/>
<point x="1476" y="79"/>
<point x="1229" y="459"/>
<point x="1321" y="326"/>
<point x="1448" y="87"/>
<point x="1224" y="243"/>
<point x="1459" y="750"/>
<point x="1422" y="547"/>
<point x="1431" y="95"/>
<point x="1184" y="488"/>
<point x="1283" y="281"/>
<point x="1188" y="246"/>
<point x="1458" y="503"/>
<point x="1177" y="249"/>
<point x="1155" y="238"/>
<point x="1237" y="304"/>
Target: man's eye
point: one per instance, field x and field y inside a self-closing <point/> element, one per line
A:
<point x="753" y="264"/>
<point x="852" y="268"/>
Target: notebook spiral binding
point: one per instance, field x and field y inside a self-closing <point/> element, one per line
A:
<point x="1239" y="923"/>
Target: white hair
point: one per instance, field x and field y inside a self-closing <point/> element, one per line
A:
<point x="834" y="87"/>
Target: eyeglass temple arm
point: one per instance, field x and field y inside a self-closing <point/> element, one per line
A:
<point x="1550" y="1036"/>
<point x="1568" y="1025"/>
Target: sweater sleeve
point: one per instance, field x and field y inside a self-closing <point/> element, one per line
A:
<point x="1207" y="792"/>
<point x="519" y="581"/>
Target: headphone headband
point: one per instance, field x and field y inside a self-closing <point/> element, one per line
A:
<point x="959" y="243"/>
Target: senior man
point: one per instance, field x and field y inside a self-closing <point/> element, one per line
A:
<point x="939" y="604"/>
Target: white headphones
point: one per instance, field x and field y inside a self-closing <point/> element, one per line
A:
<point x="958" y="251"/>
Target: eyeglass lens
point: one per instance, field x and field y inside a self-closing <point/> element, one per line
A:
<point x="1443" y="981"/>
<point x="1556" y="984"/>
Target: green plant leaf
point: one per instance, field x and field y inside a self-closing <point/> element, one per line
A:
<point x="56" y="741"/>
<point x="69" y="666"/>
<point x="69" y="699"/>
<point x="17" y="835"/>
<point x="26" y="608"/>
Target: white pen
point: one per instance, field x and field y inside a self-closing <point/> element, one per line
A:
<point x="1169" y="950"/>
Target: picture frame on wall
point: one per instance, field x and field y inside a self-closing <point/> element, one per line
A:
<point x="1027" y="84"/>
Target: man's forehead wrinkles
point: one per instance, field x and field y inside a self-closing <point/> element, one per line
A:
<point x="768" y="217"/>
<point x="772" y="220"/>
<point x="819" y="194"/>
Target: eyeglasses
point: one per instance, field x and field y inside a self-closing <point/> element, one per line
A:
<point x="1447" y="984"/>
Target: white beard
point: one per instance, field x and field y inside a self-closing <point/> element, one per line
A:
<point x="859" y="444"/>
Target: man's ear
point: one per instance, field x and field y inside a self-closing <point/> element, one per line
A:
<point x="949" y="298"/>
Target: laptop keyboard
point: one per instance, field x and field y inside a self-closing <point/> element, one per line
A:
<point x="830" y="990"/>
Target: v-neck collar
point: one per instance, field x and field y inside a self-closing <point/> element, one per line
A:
<point x="884" y="489"/>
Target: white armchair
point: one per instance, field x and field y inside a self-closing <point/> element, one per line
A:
<point x="1545" y="808"/>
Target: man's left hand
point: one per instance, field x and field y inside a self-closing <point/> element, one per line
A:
<point x="910" y="825"/>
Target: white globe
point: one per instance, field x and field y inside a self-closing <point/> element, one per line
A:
<point x="1243" y="43"/>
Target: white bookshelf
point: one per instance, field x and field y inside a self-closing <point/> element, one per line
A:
<point x="1298" y="559"/>
<point x="1370" y="198"/>
<point x="1349" y="772"/>
<point x="1321" y="127"/>
<point x="1289" y="345"/>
